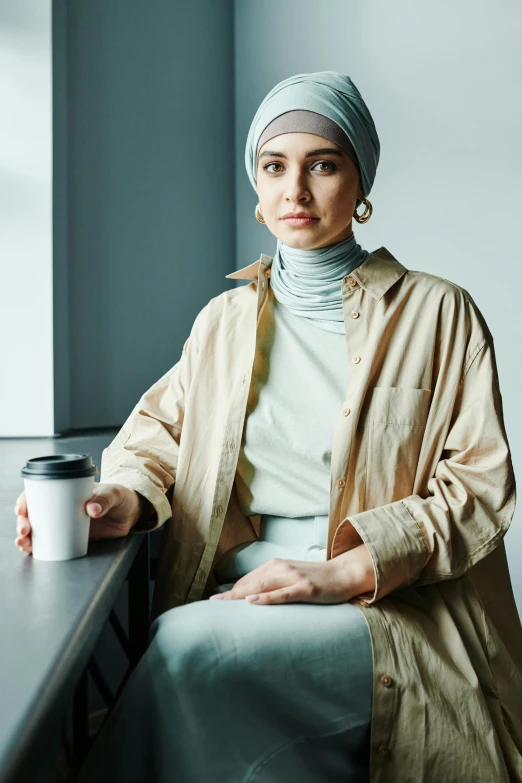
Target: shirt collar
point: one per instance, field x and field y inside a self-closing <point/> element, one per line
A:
<point x="375" y="275"/>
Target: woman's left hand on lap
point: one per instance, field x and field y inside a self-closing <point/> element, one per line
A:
<point x="281" y="581"/>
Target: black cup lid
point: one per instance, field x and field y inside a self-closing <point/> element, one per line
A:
<point x="60" y="466"/>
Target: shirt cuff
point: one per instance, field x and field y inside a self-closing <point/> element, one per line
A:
<point x="133" y="479"/>
<point x="395" y="543"/>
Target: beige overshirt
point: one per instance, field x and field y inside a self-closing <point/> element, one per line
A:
<point x="420" y="466"/>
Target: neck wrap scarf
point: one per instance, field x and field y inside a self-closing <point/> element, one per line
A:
<point x="308" y="282"/>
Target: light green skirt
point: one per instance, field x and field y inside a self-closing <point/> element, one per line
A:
<point x="231" y="692"/>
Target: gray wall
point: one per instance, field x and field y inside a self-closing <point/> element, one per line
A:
<point x="442" y="81"/>
<point x="151" y="202"/>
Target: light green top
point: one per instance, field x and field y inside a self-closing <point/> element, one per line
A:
<point x="283" y="470"/>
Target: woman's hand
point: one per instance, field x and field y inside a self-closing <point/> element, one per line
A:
<point x="281" y="581"/>
<point x="113" y="509"/>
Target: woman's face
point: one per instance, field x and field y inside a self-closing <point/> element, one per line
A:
<point x="302" y="172"/>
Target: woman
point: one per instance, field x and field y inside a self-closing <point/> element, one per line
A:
<point x="331" y="448"/>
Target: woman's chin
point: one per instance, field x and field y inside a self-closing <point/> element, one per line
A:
<point x="299" y="245"/>
<point x="302" y="238"/>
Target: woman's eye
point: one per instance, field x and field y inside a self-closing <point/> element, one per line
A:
<point x="330" y="166"/>
<point x="270" y="164"/>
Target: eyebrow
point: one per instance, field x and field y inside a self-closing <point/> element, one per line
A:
<point x="311" y="154"/>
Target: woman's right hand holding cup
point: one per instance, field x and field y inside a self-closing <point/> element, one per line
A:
<point x="113" y="510"/>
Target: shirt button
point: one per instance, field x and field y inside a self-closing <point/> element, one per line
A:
<point x="355" y="314"/>
<point x="351" y="280"/>
<point x="263" y="286"/>
<point x="382" y="750"/>
<point x="356" y="359"/>
<point x="346" y="412"/>
<point x="341" y="482"/>
<point x="219" y="510"/>
<point x="386" y="680"/>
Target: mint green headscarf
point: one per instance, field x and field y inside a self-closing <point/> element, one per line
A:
<point x="329" y="93"/>
<point x="308" y="282"/>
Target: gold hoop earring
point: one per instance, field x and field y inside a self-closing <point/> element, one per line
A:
<point x="258" y="213"/>
<point x="366" y="215"/>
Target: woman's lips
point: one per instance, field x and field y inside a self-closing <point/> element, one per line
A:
<point x="300" y="221"/>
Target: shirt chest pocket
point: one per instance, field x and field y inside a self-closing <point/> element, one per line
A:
<point x="394" y="429"/>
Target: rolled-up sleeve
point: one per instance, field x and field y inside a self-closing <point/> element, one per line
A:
<point x="144" y="454"/>
<point x="471" y="502"/>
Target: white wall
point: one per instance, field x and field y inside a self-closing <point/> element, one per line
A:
<point x="26" y="274"/>
<point x="442" y="81"/>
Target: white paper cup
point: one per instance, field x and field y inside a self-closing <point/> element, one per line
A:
<point x="57" y="490"/>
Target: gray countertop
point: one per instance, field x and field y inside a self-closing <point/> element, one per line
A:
<point x="51" y="613"/>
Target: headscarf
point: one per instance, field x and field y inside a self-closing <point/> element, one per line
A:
<point x="308" y="282"/>
<point x="329" y="93"/>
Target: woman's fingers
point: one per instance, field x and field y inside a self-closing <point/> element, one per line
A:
<point x="281" y="581"/>
<point x="300" y="592"/>
<point x="252" y="583"/>
<point x="24" y="543"/>
<point x="246" y="587"/>
<point x="23" y="526"/>
<point x="274" y="575"/>
<point x="23" y="539"/>
<point x="21" y="505"/>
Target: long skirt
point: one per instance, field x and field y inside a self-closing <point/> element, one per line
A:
<point x="231" y="692"/>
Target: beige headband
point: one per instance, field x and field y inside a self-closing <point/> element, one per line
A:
<point x="302" y="121"/>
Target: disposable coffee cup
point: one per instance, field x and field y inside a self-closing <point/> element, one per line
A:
<point x="57" y="489"/>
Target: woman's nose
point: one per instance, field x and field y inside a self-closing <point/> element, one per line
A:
<point x="297" y="188"/>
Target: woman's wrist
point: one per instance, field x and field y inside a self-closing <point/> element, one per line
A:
<point x="355" y="570"/>
<point x="145" y="509"/>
